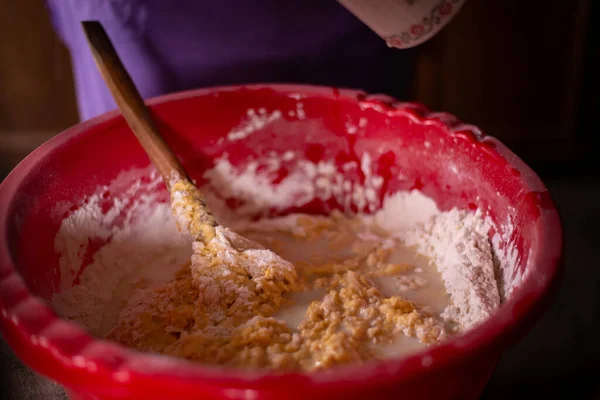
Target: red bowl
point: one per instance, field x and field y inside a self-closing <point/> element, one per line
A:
<point x="410" y="147"/>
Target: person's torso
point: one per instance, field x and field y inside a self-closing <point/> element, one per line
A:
<point x="181" y="44"/>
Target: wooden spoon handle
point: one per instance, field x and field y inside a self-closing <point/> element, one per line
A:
<point x="130" y="102"/>
<point x="193" y="215"/>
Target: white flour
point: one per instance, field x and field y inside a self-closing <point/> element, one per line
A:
<point x="142" y="240"/>
<point x="307" y="181"/>
<point x="255" y="122"/>
<point x="457" y="241"/>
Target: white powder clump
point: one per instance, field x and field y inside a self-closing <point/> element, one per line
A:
<point x="141" y="242"/>
<point x="458" y="244"/>
<point x="405" y="210"/>
<point x="252" y="184"/>
<point x="507" y="258"/>
<point x="255" y="122"/>
<point x="256" y="190"/>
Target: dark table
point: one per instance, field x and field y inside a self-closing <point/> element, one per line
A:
<point x="560" y="356"/>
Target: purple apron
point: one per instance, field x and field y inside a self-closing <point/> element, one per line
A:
<point x="171" y="45"/>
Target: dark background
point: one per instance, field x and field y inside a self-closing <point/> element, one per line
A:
<point x="524" y="71"/>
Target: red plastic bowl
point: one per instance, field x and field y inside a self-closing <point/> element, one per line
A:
<point x="410" y="147"/>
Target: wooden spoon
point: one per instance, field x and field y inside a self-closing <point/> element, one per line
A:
<point x="236" y="276"/>
<point x="189" y="205"/>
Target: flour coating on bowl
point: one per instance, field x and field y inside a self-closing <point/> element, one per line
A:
<point x="142" y="254"/>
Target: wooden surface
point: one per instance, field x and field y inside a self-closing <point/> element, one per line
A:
<point x="35" y="71"/>
<point x="514" y="68"/>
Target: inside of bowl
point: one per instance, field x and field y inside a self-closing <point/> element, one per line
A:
<point x="271" y="152"/>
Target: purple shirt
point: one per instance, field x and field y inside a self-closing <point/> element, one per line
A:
<point x="170" y="45"/>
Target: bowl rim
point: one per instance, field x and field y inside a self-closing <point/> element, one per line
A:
<point x="526" y="303"/>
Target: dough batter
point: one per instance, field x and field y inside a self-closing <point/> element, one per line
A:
<point x="356" y="293"/>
